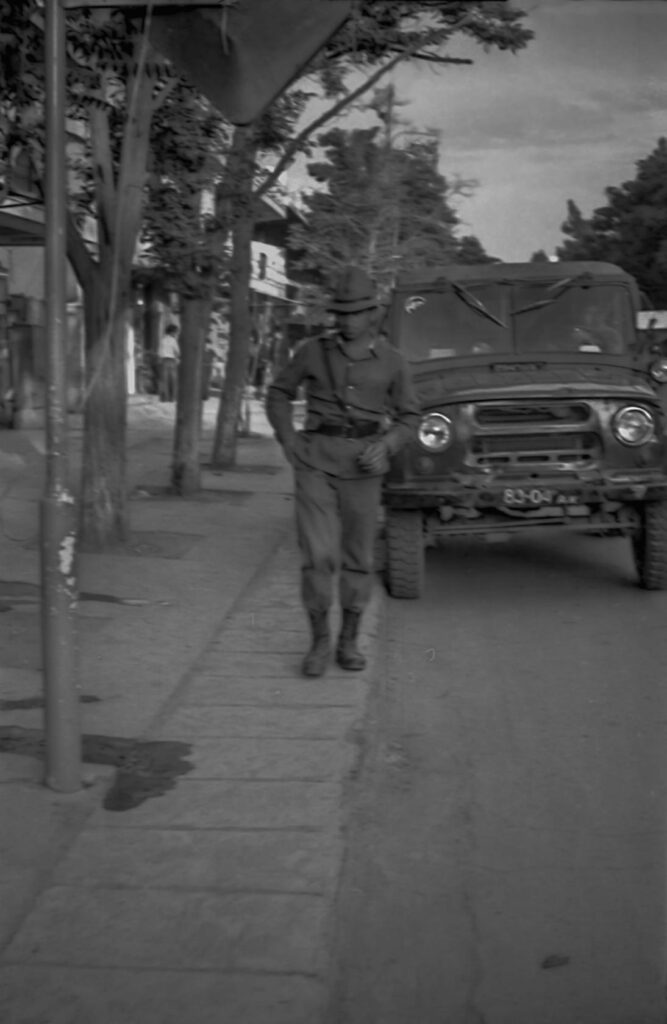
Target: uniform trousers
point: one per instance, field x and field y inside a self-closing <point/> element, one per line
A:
<point x="336" y="522"/>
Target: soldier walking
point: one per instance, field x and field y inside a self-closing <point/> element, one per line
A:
<point x="360" y="409"/>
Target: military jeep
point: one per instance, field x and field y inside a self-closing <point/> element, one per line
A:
<point x="540" y="408"/>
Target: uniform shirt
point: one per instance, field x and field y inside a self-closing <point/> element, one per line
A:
<point x="168" y="347"/>
<point x="374" y="387"/>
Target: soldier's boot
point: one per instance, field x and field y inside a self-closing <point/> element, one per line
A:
<point x="317" y="659"/>
<point x="348" y="655"/>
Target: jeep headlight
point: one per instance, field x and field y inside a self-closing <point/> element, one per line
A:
<point x="658" y="370"/>
<point x="633" y="425"/>
<point x="436" y="432"/>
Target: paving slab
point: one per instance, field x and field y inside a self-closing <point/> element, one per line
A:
<point x="315" y="723"/>
<point x="65" y="995"/>
<point x="173" y="929"/>
<point x="36" y="822"/>
<point x="16" y="768"/>
<point x="223" y="664"/>
<point x="251" y="861"/>
<point x="217" y="690"/>
<point x="18" y="681"/>
<point x="277" y="759"/>
<point x="17" y="896"/>
<point x="37" y="828"/>
<point x="197" y="803"/>
<point x="271" y="623"/>
<point x="240" y="639"/>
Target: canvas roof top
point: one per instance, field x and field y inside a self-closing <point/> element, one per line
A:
<point x="464" y="272"/>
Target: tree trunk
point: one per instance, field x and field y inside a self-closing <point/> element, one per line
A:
<point x="241" y="173"/>
<point x="103" y="507"/>
<point x="185" y="471"/>
<point x="106" y="286"/>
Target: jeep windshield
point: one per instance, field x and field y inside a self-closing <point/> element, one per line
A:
<point x="515" y="317"/>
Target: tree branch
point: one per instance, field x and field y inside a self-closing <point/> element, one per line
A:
<point x="77" y="252"/>
<point x="132" y="170"/>
<point x="166" y="88"/>
<point x="437" y="36"/>
<point x="295" y="145"/>
<point x="103" y="176"/>
<point x="436" y="58"/>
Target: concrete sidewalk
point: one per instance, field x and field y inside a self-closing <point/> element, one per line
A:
<point x="213" y="901"/>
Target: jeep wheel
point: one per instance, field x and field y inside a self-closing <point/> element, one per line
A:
<point x="405" y="554"/>
<point x="649" y="545"/>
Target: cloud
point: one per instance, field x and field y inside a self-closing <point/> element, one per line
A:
<point x="566" y="117"/>
<point x="645" y="98"/>
<point x="521" y="200"/>
<point x="578" y="77"/>
<point x="507" y="109"/>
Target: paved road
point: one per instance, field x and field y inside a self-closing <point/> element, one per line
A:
<point x="507" y="834"/>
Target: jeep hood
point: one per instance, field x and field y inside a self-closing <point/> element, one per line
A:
<point x="441" y="380"/>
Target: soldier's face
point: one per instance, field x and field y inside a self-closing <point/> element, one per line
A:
<point x="355" y="325"/>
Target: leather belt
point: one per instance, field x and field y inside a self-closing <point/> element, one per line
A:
<point x="348" y="429"/>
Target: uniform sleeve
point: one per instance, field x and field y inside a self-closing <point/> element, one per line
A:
<point x="404" y="407"/>
<point x="282" y="393"/>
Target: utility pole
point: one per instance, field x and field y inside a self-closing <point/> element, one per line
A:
<point x="57" y="521"/>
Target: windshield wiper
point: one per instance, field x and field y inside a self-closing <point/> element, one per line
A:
<point x="560" y="288"/>
<point x="476" y="304"/>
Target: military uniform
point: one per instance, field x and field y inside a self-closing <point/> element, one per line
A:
<point x="352" y="400"/>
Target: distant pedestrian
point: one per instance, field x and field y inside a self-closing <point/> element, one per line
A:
<point x="360" y="409"/>
<point x="168" y="355"/>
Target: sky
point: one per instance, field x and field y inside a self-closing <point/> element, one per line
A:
<point x="564" y="118"/>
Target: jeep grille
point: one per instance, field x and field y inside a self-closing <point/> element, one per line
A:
<point x="535" y="449"/>
<point x="548" y="413"/>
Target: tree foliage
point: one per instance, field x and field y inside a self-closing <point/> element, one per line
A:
<point x="384" y="209"/>
<point x="114" y="85"/>
<point x="379" y="28"/>
<point x="197" y="234"/>
<point x="630" y="230"/>
<point x="181" y="228"/>
<point x="469" y="249"/>
<point x="383" y="33"/>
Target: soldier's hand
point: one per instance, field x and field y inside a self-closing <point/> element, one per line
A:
<point x="374" y="457"/>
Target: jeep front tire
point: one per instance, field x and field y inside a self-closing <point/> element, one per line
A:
<point x="649" y="546"/>
<point x="405" y="553"/>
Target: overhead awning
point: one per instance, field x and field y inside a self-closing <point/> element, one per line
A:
<point x="21" y="223"/>
<point x="241" y="54"/>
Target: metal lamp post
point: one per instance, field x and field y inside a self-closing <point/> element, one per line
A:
<point x="58" y="527"/>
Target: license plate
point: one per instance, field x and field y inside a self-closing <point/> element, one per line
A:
<point x="530" y="497"/>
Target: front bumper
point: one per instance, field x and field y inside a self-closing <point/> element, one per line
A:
<point x="466" y="490"/>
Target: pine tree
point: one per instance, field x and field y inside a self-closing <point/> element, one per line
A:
<point x="631" y="229"/>
<point x="383" y="209"/>
<point x="470" y="250"/>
